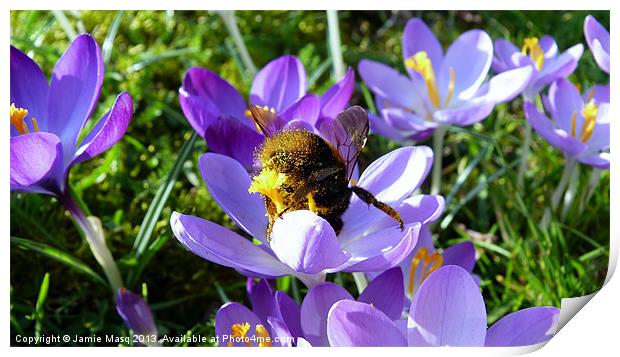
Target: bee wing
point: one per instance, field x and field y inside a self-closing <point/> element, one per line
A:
<point x="267" y="121"/>
<point x="348" y="133"/>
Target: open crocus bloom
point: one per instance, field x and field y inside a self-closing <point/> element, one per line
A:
<point x="539" y="54"/>
<point x="218" y="112"/>
<point x="47" y="118"/>
<point x="597" y="38"/>
<point x="441" y="89"/>
<point x="580" y="125"/>
<point x="447" y="310"/>
<point x="273" y="320"/>
<point x="425" y="259"/>
<point x="302" y="243"/>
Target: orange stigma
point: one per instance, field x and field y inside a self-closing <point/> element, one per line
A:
<point x="429" y="264"/>
<point x="18" y="116"/>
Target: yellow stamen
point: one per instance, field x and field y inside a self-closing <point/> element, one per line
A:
<point x="573" y="124"/>
<point x="450" y="86"/>
<point x="589" y="112"/>
<point x="240" y="331"/>
<point x="430" y="263"/>
<point x="263" y="336"/>
<point x="18" y="116"/>
<point x="268" y="183"/>
<point x="422" y="64"/>
<point x="532" y="46"/>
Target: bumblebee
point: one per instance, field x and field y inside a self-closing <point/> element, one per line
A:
<point x="300" y="170"/>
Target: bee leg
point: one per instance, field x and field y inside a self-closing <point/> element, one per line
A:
<point x="371" y="200"/>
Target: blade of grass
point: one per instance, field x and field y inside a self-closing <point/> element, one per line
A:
<point x="38" y="311"/>
<point x="63" y="21"/>
<point x="60" y="256"/>
<point x="109" y="38"/>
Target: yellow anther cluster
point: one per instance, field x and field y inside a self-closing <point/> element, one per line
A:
<point x="18" y="116"/>
<point x="240" y="331"/>
<point x="263" y="336"/>
<point x="429" y="264"/>
<point x="421" y="64"/>
<point x="589" y="112"/>
<point x="268" y="183"/>
<point x="531" y="45"/>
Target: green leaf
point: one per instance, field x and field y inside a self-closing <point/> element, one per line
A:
<point x="38" y="312"/>
<point x="106" y="49"/>
<point x="157" y="206"/>
<point x="60" y="256"/>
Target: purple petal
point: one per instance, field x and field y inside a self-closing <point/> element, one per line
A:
<point x="599" y="93"/>
<point x="386" y="292"/>
<point x="307" y="109"/>
<point x="417" y="37"/>
<point x="336" y="98"/>
<point x="470" y="57"/>
<point x="289" y="312"/>
<point x="306" y="242"/>
<point x="559" y="67"/>
<point x="548" y="45"/>
<point x="74" y="90"/>
<point x="37" y="163"/>
<point x="314" y="310"/>
<point x="600" y="160"/>
<point x="419" y="208"/>
<point x="524" y="327"/>
<point x="280" y="331"/>
<point x="506" y="56"/>
<point x="388" y="84"/>
<point x="228" y="184"/>
<point x="357" y="324"/>
<point x="461" y="254"/>
<point x="108" y="130"/>
<point x="279" y="84"/>
<point x="597" y="38"/>
<point x="406" y="121"/>
<point x="230" y="314"/>
<point x="215" y="94"/>
<point x="262" y="299"/>
<point x="380" y="126"/>
<point x="448" y="310"/>
<point x="29" y="87"/>
<point x="466" y="114"/>
<point x="556" y="137"/>
<point x="563" y="101"/>
<point x="382" y="250"/>
<point x="425" y="240"/>
<point x="135" y="312"/>
<point x="228" y="136"/>
<point x="221" y="246"/>
<point x="391" y="179"/>
<point x="505" y="86"/>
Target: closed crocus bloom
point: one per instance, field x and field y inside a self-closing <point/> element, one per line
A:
<point x="447" y="310"/>
<point x="441" y="89"/>
<point x="542" y="55"/>
<point x="597" y="38"/>
<point x="219" y="113"/>
<point x="579" y="125"/>
<point x="137" y="315"/>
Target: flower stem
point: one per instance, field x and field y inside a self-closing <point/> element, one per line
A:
<point x="595" y="178"/>
<point x="525" y="154"/>
<point x="360" y="281"/>
<point x="438" y="137"/>
<point x="569" y="169"/>
<point x="334" y="43"/>
<point x="96" y="241"/>
<point x="231" y="25"/>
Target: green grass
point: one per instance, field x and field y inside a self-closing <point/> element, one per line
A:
<point x="147" y="54"/>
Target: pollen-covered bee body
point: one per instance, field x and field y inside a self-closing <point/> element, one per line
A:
<point x="301" y="171"/>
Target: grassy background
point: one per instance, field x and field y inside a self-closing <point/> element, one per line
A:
<point x="147" y="54"/>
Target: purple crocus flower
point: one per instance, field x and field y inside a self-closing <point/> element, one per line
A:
<point x="302" y="243"/>
<point x="425" y="259"/>
<point x="137" y="315"/>
<point x="273" y="321"/>
<point x="539" y="54"/>
<point x="597" y="38"/>
<point x="48" y="117"/>
<point x="447" y="310"/>
<point x="441" y="89"/>
<point x="580" y="125"/>
<point x="218" y="112"/>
